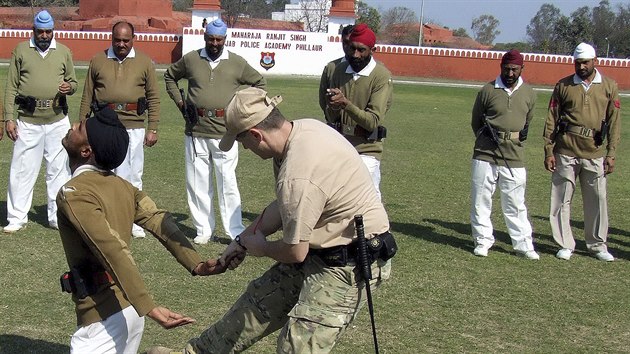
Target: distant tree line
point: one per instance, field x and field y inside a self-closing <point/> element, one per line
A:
<point x="606" y="28"/>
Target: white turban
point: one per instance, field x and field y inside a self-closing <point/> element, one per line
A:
<point x="584" y="51"/>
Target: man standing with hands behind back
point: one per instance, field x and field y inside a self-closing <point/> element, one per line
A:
<point x="123" y="79"/>
<point x="40" y="76"/>
<point x="500" y="120"/>
<point x="214" y="74"/>
<point x="581" y="134"/>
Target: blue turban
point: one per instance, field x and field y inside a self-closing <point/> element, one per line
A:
<point x="216" y="27"/>
<point x="108" y="138"/>
<point x="43" y="20"/>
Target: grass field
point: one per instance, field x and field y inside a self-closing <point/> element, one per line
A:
<point x="441" y="299"/>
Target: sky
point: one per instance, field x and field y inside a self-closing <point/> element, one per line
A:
<point x="513" y="15"/>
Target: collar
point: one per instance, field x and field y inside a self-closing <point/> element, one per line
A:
<point x="224" y="55"/>
<point x="365" y="71"/>
<point x="596" y="80"/>
<point x="498" y="84"/>
<point x="86" y="168"/>
<point x="112" y="55"/>
<point x="53" y="45"/>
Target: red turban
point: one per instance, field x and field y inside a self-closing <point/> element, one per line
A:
<point x="363" y="34"/>
<point x="512" y="57"/>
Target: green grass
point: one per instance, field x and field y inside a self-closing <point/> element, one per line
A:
<point x="441" y="299"/>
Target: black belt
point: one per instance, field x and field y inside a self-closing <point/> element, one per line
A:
<point x="381" y="247"/>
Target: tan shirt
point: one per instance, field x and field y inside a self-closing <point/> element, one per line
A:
<point x="320" y="190"/>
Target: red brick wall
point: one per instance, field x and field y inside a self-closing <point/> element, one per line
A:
<point x="162" y="48"/>
<point x="478" y="65"/>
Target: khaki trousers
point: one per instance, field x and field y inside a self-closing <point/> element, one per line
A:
<point x="590" y="172"/>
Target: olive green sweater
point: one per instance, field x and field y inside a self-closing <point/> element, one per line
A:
<point x="111" y="81"/>
<point x="505" y="113"/>
<point x="583" y="108"/>
<point x="210" y="88"/>
<point x="370" y="98"/>
<point x="31" y="75"/>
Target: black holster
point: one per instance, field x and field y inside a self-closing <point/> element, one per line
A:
<point x="601" y="135"/>
<point x="382" y="247"/>
<point x="378" y="134"/>
<point x="26" y="103"/>
<point x="192" y="115"/>
<point x="142" y="105"/>
<point x="74" y="282"/>
<point x="63" y="103"/>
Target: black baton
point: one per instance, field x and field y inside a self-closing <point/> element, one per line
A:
<point x="366" y="271"/>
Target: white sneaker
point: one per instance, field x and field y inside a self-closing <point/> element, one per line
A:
<point x="564" y="253"/>
<point x="13" y="228"/>
<point x="481" y="251"/>
<point x="138" y="233"/>
<point x="604" y="256"/>
<point x="529" y="255"/>
<point x="201" y="240"/>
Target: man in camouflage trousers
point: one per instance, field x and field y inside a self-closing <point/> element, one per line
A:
<point x="314" y="292"/>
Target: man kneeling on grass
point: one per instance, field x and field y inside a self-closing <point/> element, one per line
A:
<point x="96" y="212"/>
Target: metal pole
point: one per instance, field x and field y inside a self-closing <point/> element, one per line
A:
<point x="607" y="46"/>
<point x="421" y="24"/>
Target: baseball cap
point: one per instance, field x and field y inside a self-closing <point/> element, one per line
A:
<point x="247" y="108"/>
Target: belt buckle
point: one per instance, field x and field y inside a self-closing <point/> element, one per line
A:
<point x="48" y="103"/>
<point x="209" y="113"/>
<point x="585" y="131"/>
<point x="120" y="106"/>
<point x="348" y="130"/>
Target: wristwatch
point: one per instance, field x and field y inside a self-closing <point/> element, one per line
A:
<point x="237" y="239"/>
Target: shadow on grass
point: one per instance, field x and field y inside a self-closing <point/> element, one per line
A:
<point x="614" y="243"/>
<point x="10" y="343"/>
<point x="3" y="212"/>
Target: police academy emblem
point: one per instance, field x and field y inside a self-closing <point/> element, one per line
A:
<point x="267" y="60"/>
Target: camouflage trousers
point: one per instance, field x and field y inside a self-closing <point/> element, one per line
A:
<point x="311" y="302"/>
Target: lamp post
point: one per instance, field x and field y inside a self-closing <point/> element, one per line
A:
<point x="421" y="19"/>
<point x="607" y="46"/>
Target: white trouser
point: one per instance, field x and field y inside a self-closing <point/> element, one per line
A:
<point x="34" y="142"/>
<point x="200" y="160"/>
<point x="374" y="167"/>
<point x="120" y="333"/>
<point x="132" y="168"/>
<point x="485" y="177"/>
<point x="593" y="186"/>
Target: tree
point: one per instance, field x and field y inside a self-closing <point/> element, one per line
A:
<point x="313" y="15"/>
<point x="182" y="5"/>
<point x="541" y="28"/>
<point x="522" y="47"/>
<point x="398" y="14"/>
<point x="484" y="29"/>
<point x="400" y="26"/>
<point x="368" y="15"/>
<point x="461" y="32"/>
<point x="620" y="38"/>
<point x="38" y="3"/>
<point x="603" y="27"/>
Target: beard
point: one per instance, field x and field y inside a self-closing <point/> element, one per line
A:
<point x="358" y="64"/>
<point x="43" y="44"/>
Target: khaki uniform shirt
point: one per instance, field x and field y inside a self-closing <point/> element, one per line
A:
<point x="572" y="103"/>
<point x="96" y="212"/>
<point x="319" y="191"/>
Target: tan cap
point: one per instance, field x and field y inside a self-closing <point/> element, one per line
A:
<point x="247" y="108"/>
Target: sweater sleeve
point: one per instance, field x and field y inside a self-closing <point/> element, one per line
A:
<point x="550" y="122"/>
<point x="88" y="91"/>
<point x="613" y="113"/>
<point x="251" y="77"/>
<point x="172" y="75"/>
<point x="69" y="74"/>
<point x="13" y="81"/>
<point x="152" y="93"/>
<point x="478" y="112"/>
